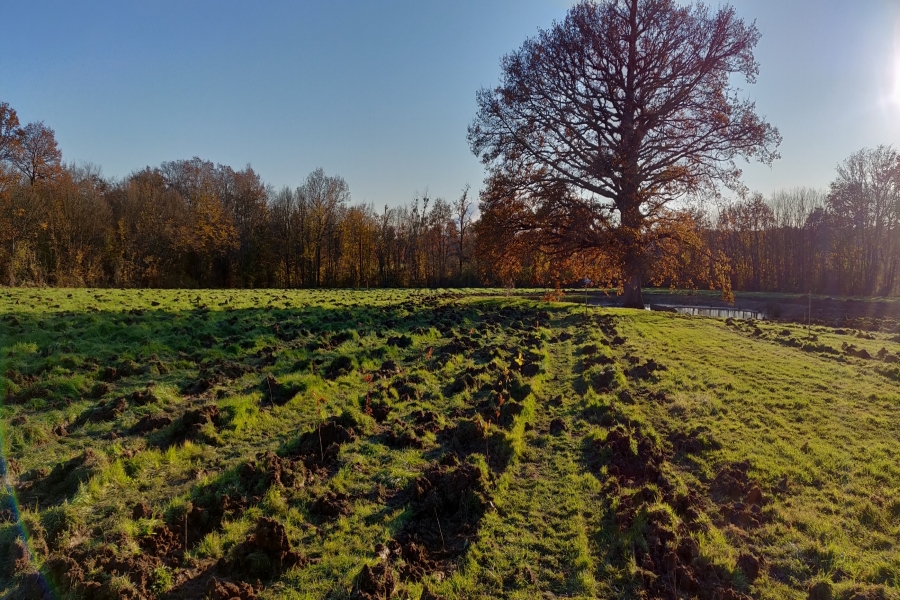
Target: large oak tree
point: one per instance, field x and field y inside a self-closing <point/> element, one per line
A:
<point x="606" y="118"/>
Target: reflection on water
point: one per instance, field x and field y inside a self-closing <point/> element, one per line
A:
<point x="709" y="311"/>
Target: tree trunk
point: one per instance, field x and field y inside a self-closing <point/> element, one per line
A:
<point x="632" y="298"/>
<point x="632" y="239"/>
<point x="12" y="265"/>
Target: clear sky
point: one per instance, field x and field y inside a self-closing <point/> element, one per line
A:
<point x="381" y="92"/>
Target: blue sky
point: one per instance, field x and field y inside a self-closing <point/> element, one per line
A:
<point x="382" y="92"/>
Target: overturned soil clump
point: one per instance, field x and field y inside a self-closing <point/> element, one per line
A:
<point x="191" y="425"/>
<point x="185" y="531"/>
<point x="644" y="371"/>
<point x="265" y="554"/>
<point x="213" y="504"/>
<point x="269" y="469"/>
<point x="667" y="554"/>
<point x="624" y="463"/>
<point x="404" y="434"/>
<point x="320" y="447"/>
<point x="331" y="505"/>
<point x="340" y="366"/>
<point x="103" y="412"/>
<point x="87" y="573"/>
<point x="214" y="373"/>
<point x="693" y="442"/>
<point x="225" y="589"/>
<point x="278" y="393"/>
<point x="375" y="583"/>
<point x="447" y="504"/>
<point x="471" y="436"/>
<point x="378" y="411"/>
<point x="61" y="483"/>
<point x="149" y="424"/>
<point x="401" y="435"/>
<point x="739" y="497"/>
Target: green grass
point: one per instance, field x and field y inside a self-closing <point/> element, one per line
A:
<point x="529" y="398"/>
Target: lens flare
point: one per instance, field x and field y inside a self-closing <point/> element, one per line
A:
<point x="9" y="499"/>
<point x="893" y="84"/>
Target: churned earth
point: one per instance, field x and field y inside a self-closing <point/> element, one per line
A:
<point x="438" y="444"/>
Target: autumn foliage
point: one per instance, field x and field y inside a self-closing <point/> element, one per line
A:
<point x="607" y="119"/>
<point x="192" y="223"/>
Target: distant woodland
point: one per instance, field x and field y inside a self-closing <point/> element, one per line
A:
<point x="192" y="223"/>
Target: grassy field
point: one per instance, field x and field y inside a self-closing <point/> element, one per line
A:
<point x="437" y="444"/>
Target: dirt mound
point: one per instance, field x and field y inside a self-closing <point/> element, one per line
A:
<point x="749" y="566"/>
<point x="86" y="573"/>
<point x="626" y="464"/>
<point x="529" y="368"/>
<point x="185" y="530"/>
<point x="265" y="554"/>
<point x="472" y="435"/>
<point x="388" y="368"/>
<point x="426" y="420"/>
<point x="321" y="445"/>
<point x="98" y="391"/>
<point x="103" y="412"/>
<point x="16" y="561"/>
<point x="8" y="512"/>
<point x="739" y="497"/>
<point x="401" y="435"/>
<point x="215" y="372"/>
<point x="461" y="384"/>
<point x="224" y="589"/>
<point x="142" y="397"/>
<point x="278" y="393"/>
<point x="644" y="371"/>
<point x="558" y="426"/>
<point x="407" y="388"/>
<point x="121" y="370"/>
<point x="400" y="341"/>
<point x="191" y="424"/>
<point x="378" y="410"/>
<point x="695" y="441"/>
<point x="340" y="366"/>
<point x="375" y="583"/>
<point x="597" y="359"/>
<point x="508" y="413"/>
<point x="446" y="507"/>
<point x="61" y="483"/>
<point x="603" y="380"/>
<point x="141" y="510"/>
<point x="668" y="557"/>
<point x="150" y="423"/>
<point x="732" y="482"/>
<point x="269" y="469"/>
<point x="331" y="505"/>
<point x="198" y="387"/>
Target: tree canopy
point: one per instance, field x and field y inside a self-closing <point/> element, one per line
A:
<point x="603" y="120"/>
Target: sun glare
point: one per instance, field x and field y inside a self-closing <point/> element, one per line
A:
<point x="893" y="84"/>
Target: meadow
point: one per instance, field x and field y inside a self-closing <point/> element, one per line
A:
<point x="430" y="444"/>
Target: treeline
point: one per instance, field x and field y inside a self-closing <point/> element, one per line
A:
<point x="845" y="240"/>
<point x="192" y="223"/>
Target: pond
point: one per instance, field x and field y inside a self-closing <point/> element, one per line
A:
<point x="709" y="311"/>
<point x="718" y="312"/>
